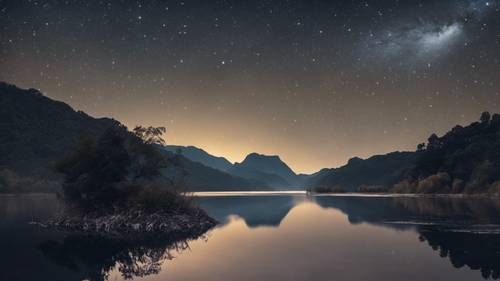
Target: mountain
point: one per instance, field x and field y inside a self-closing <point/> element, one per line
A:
<point x="267" y="169"/>
<point x="36" y="131"/>
<point x="258" y="169"/>
<point x="380" y="170"/>
<point x="201" y="156"/>
<point x="199" y="177"/>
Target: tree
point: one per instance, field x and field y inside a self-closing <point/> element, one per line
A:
<point x="92" y="172"/>
<point x="421" y="147"/>
<point x="433" y="141"/>
<point x="102" y="173"/>
<point x="485" y="117"/>
<point x="150" y="135"/>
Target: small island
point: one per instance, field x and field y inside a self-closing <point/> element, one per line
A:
<point x="113" y="187"/>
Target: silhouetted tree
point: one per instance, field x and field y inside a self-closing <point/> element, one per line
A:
<point x="421" y="147"/>
<point x="433" y="141"/>
<point x="150" y="135"/>
<point x="485" y="117"/>
<point x="103" y="174"/>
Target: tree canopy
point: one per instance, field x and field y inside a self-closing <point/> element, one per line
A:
<point x="106" y="173"/>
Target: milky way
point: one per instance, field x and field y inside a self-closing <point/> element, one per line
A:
<point x="316" y="82"/>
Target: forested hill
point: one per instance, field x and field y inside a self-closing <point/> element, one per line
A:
<point x="464" y="160"/>
<point x="36" y="130"/>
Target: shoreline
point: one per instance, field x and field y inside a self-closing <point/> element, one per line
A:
<point x="133" y="224"/>
<point x="297" y="192"/>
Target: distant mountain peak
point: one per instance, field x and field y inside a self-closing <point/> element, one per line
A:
<point x="267" y="168"/>
<point x="257" y="156"/>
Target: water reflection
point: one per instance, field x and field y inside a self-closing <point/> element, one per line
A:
<point x="272" y="238"/>
<point x="255" y="210"/>
<point x="466" y="231"/>
<point x="477" y="251"/>
<point x="94" y="258"/>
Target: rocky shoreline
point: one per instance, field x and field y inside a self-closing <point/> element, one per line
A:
<point x="134" y="223"/>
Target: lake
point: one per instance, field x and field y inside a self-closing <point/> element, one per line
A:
<point x="269" y="237"/>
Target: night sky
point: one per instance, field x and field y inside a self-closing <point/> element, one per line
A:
<point x="316" y="82"/>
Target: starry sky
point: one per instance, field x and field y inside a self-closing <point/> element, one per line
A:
<point x="316" y="82"/>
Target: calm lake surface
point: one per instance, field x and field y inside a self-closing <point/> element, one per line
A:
<point x="271" y="237"/>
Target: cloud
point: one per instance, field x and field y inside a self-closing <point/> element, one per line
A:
<point x="418" y="40"/>
<point x="439" y="37"/>
<point x="432" y="33"/>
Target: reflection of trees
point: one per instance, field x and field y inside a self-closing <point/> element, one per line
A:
<point x="463" y="230"/>
<point x="478" y="210"/>
<point x="477" y="251"/>
<point x="455" y="235"/>
<point x="95" y="257"/>
<point x="365" y="209"/>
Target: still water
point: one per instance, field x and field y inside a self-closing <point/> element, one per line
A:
<point x="271" y="237"/>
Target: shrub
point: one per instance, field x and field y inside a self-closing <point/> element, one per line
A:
<point x="405" y="186"/>
<point x="372" y="189"/>
<point x="438" y="183"/>
<point x="457" y="186"/>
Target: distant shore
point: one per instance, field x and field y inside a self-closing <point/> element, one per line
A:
<point x="298" y="192"/>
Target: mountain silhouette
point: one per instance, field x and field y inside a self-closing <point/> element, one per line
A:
<point x="36" y="131"/>
<point x="201" y="156"/>
<point x="268" y="169"/>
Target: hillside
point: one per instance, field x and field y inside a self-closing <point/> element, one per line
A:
<point x="36" y="131"/>
<point x="201" y="156"/>
<point x="380" y="170"/>
<point x="464" y="160"/>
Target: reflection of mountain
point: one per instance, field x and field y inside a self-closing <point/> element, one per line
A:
<point x="256" y="211"/>
<point x="464" y="230"/>
<point x="94" y="258"/>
